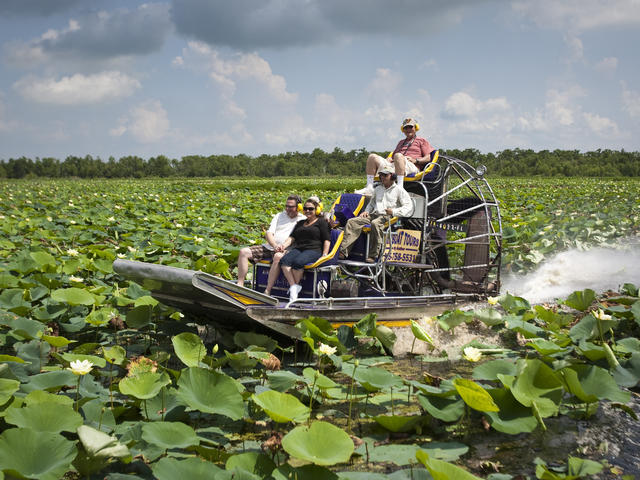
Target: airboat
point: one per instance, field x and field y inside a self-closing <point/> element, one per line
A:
<point x="446" y="253"/>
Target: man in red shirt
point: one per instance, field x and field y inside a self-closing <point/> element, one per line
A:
<point x="410" y="156"/>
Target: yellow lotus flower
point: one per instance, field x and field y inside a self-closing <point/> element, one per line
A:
<point x="472" y="354"/>
<point x="492" y="300"/>
<point x="72" y="252"/>
<point x="80" y="367"/>
<point x="326" y="349"/>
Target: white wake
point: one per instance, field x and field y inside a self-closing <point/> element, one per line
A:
<point x="599" y="269"/>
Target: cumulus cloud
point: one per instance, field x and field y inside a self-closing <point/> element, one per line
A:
<point x="147" y="123"/>
<point x="96" y="36"/>
<point x="227" y="71"/>
<point x="36" y="7"/>
<point x="630" y="101"/>
<point x="77" y="89"/>
<point x="607" y="64"/>
<point x="248" y="25"/>
<point x="602" y="126"/>
<point x="463" y="105"/>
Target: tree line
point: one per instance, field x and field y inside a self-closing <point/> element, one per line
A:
<point x="507" y="163"/>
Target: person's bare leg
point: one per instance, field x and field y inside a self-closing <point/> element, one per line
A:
<point x="274" y="271"/>
<point x="297" y="275"/>
<point x="399" y="161"/>
<point x="243" y="264"/>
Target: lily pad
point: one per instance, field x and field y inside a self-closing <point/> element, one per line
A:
<point x="45" y="417"/>
<point x="145" y="385"/>
<point x="210" y="392"/>
<point x="474" y="395"/>
<point x="321" y="444"/>
<point x="170" y="435"/>
<point x="170" y="468"/>
<point x="281" y="407"/>
<point x="33" y="454"/>
<point x="189" y="348"/>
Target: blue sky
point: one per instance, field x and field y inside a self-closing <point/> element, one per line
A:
<point x="115" y="78"/>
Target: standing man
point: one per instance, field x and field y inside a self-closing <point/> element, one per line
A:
<point x="410" y="156"/>
<point x="388" y="200"/>
<point x="281" y="226"/>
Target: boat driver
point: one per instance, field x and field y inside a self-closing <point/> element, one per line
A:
<point x="388" y="200"/>
<point x="410" y="156"/>
<point x="281" y="226"/>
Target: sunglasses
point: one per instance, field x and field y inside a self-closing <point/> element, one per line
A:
<point x="309" y="209"/>
<point x="407" y="127"/>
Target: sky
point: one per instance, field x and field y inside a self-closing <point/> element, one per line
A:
<point x="202" y="77"/>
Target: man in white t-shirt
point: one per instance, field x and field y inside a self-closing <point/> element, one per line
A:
<point x="281" y="226"/>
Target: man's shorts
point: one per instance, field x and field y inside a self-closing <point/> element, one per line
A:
<point x="409" y="167"/>
<point x="260" y="252"/>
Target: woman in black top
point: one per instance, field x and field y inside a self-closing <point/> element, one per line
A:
<point x="312" y="238"/>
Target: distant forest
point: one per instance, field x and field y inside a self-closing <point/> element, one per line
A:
<point x="507" y="163"/>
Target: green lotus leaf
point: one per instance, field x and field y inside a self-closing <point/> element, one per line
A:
<point x="50" y="381"/>
<point x="56" y="341"/>
<point x="145" y="300"/>
<point x="314" y="377"/>
<point x="253" y="462"/>
<point x="591" y="383"/>
<point x="12" y="299"/>
<point x="452" y="319"/>
<point x="43" y="259"/>
<point x="447" y="409"/>
<point x="420" y="333"/>
<point x="520" y="324"/>
<point x="283" y="380"/>
<point x="115" y="354"/>
<point x="10" y="358"/>
<point x="139" y="317"/>
<point x="145" y="385"/>
<point x="581" y="299"/>
<point x="7" y="388"/>
<point x="246" y="339"/>
<point x="545" y="347"/>
<point x="400" y="454"/>
<point x="170" y="468"/>
<point x="489" y="316"/>
<point x="45" y="417"/>
<point x="281" y="407"/>
<point x="538" y="386"/>
<point x="74" y="296"/>
<point x="322" y="444"/>
<point x="474" y="395"/>
<point x="399" y="423"/>
<point x="490" y="370"/>
<point x="514" y="305"/>
<point x="169" y="434"/>
<point x="26" y="328"/>
<point x="100" y="317"/>
<point x="189" y="348"/>
<point x="582" y="467"/>
<point x="210" y="392"/>
<point x="386" y="336"/>
<point x="99" y="444"/>
<point x="513" y="417"/>
<point x="33" y="454"/>
<point x="375" y="378"/>
<point x="441" y="470"/>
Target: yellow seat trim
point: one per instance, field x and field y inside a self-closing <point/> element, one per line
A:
<point x="418" y="176"/>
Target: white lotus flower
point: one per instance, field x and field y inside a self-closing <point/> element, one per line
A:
<point x="72" y="252"/>
<point x="80" y="367"/>
<point x="49" y="219"/>
<point x="198" y="239"/>
<point x="472" y="354"/>
<point x="178" y="225"/>
<point x="121" y="255"/>
<point x="111" y="219"/>
<point x="131" y="249"/>
<point x="75" y="279"/>
<point x="600" y="315"/>
<point x="326" y="349"/>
